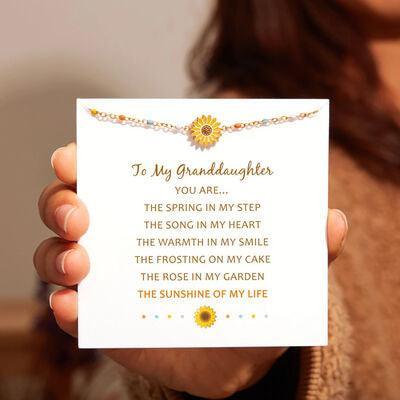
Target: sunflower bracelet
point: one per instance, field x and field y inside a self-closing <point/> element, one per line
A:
<point x="205" y="131"/>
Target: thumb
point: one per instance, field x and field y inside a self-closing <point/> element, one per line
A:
<point x="336" y="233"/>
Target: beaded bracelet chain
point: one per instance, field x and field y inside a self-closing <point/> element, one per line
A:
<point x="205" y="130"/>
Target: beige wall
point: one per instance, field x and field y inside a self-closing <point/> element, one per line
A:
<point x="52" y="51"/>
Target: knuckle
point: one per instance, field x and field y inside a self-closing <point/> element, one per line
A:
<point x="46" y="251"/>
<point x="40" y="249"/>
<point x="42" y="197"/>
<point x="48" y="193"/>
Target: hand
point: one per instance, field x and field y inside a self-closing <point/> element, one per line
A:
<point x="214" y="373"/>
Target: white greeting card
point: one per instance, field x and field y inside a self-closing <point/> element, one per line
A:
<point x="192" y="246"/>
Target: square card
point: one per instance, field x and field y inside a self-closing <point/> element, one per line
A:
<point x="207" y="222"/>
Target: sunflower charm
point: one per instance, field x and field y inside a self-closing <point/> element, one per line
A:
<point x="205" y="316"/>
<point x="206" y="130"/>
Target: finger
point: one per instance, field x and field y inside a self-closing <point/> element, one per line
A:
<point x="337" y="228"/>
<point x="63" y="212"/>
<point x="61" y="262"/>
<point x="63" y="161"/>
<point x="64" y="304"/>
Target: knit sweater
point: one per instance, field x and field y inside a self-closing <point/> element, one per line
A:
<point x="362" y="360"/>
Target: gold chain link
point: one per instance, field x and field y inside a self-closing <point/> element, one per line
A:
<point x="165" y="126"/>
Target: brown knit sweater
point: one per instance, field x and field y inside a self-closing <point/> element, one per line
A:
<point x="362" y="360"/>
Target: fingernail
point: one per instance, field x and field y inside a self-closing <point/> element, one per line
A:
<point x="53" y="156"/>
<point x="50" y="297"/>
<point x="62" y="214"/>
<point x="60" y="261"/>
<point x="342" y="217"/>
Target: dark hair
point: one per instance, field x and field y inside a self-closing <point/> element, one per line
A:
<point x="304" y="49"/>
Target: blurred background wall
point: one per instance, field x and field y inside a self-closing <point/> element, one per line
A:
<point x="53" y="51"/>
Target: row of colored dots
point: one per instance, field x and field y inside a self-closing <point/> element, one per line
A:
<point x="227" y="316"/>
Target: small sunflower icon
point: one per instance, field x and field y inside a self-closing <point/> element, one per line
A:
<point x="206" y="130"/>
<point x="205" y="316"/>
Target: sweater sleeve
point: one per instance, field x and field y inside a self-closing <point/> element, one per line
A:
<point x="325" y="372"/>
